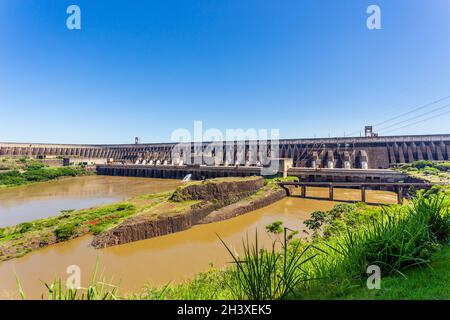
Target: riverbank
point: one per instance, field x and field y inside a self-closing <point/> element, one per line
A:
<point x="164" y="212"/>
<point x="409" y="244"/>
<point x="19" y="172"/>
<point x="429" y="171"/>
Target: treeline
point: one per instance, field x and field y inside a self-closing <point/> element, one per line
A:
<point x="427" y="166"/>
<point x="37" y="172"/>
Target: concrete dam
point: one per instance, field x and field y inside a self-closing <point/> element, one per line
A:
<point x="346" y="152"/>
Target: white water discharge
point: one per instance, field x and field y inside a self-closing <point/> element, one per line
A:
<point x="187" y="178"/>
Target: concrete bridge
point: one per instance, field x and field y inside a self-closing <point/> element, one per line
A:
<point x="398" y="187"/>
<point x="345" y="152"/>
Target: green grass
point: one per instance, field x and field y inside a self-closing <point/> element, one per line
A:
<point x="98" y="289"/>
<point x="18" y="240"/>
<point x="430" y="282"/>
<point x="267" y="274"/>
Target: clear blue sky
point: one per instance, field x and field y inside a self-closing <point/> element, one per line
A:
<point x="144" y="68"/>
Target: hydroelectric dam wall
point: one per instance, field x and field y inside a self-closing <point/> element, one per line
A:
<point x="344" y="152"/>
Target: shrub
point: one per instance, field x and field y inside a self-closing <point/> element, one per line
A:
<point x="24" y="227"/>
<point x="430" y="170"/>
<point x="35" y="166"/>
<point x="420" y="164"/>
<point x="275" y="227"/>
<point x="65" y="232"/>
<point x="318" y="218"/>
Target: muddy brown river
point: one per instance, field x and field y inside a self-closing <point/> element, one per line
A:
<point x="41" y="200"/>
<point x="157" y="261"/>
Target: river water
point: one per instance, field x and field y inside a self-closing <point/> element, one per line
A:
<point x="41" y="200"/>
<point x="157" y="261"/>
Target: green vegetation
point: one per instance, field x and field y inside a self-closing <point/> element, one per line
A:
<point x="24" y="171"/>
<point x="15" y="241"/>
<point x="409" y="243"/>
<point x="434" y="171"/>
<point x="267" y="274"/>
<point x="18" y="240"/>
<point x="428" y="283"/>
<point x="98" y="289"/>
<point x="275" y="227"/>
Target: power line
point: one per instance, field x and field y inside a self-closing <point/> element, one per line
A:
<point x="413" y="118"/>
<point x="404" y="114"/>
<point x="413" y="110"/>
<point x="417" y="122"/>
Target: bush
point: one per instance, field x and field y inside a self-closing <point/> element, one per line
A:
<point x="35" y="166"/>
<point x="421" y="164"/>
<point x="430" y="170"/>
<point x="38" y="172"/>
<point x="341" y="218"/>
<point x="65" y="232"/>
<point x="24" y="227"/>
<point x="275" y="227"/>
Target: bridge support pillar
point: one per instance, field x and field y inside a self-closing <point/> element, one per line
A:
<point x="399" y="195"/>
<point x="330" y="193"/>
<point x="363" y="194"/>
<point x="288" y="192"/>
<point x="303" y="191"/>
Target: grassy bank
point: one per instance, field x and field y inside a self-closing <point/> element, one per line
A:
<point x="432" y="171"/>
<point x="25" y="171"/>
<point x="428" y="283"/>
<point x="15" y="241"/>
